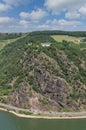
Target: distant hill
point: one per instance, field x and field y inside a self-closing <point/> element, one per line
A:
<point x="44" y="77"/>
<point x="5" y="36"/>
<point x="58" y="32"/>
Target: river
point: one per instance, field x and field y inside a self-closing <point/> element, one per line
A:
<point x="9" y="121"/>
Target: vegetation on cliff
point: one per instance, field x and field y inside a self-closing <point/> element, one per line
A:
<point x="44" y="78"/>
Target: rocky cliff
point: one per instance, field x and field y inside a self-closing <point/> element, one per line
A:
<point x="43" y="78"/>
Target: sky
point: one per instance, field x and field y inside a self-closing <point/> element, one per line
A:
<point x="32" y="15"/>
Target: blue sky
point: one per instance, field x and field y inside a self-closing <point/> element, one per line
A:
<point x="31" y="15"/>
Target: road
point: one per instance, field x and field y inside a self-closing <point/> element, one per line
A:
<point x="59" y="114"/>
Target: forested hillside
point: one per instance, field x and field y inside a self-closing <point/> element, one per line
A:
<point x="44" y="77"/>
<point x="55" y="32"/>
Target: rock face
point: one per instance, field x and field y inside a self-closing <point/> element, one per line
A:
<point x="43" y="78"/>
<point x="44" y="89"/>
<point x="25" y="97"/>
<point x="52" y="87"/>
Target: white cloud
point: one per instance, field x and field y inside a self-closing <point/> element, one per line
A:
<point x="6" y="21"/>
<point x="53" y="22"/>
<point x="57" y="6"/>
<point x="72" y="15"/>
<point x="24" y="15"/>
<point x="4" y="7"/>
<point x="82" y="10"/>
<point x="8" y="24"/>
<point x="8" y="4"/>
<point x="65" y="23"/>
<point x="43" y="26"/>
<point x="35" y="15"/>
<point x="24" y="23"/>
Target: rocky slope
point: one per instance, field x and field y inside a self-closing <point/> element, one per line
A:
<point x="43" y="78"/>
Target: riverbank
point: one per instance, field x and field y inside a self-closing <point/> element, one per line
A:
<point x="45" y="117"/>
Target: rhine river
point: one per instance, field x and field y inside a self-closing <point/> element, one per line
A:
<point x="9" y="121"/>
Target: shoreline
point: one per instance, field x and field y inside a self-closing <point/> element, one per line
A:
<point x="41" y="116"/>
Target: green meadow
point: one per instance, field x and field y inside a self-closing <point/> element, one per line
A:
<point x="60" y="38"/>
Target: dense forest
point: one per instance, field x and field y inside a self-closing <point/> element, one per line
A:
<point x="55" y="32"/>
<point x="5" y="36"/>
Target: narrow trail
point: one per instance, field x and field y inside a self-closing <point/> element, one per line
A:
<point x="9" y="41"/>
<point x="49" y="115"/>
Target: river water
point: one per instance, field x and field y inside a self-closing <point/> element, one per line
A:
<point x="9" y="121"/>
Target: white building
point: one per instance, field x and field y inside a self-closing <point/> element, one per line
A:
<point x="45" y="44"/>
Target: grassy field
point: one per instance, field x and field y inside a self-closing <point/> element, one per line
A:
<point x="5" y="42"/>
<point x="60" y="38"/>
<point x="8" y="41"/>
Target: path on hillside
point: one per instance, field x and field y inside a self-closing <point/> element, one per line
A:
<point x="9" y="41"/>
<point x="56" y="114"/>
